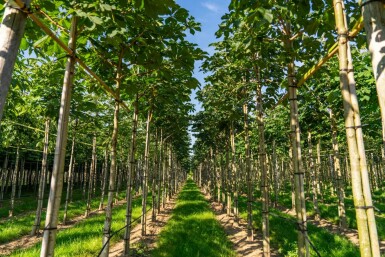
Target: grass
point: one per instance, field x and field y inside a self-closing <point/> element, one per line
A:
<point x="85" y="238"/>
<point x="17" y="226"/>
<point x="329" y="210"/>
<point x="283" y="234"/>
<point x="193" y="230"/>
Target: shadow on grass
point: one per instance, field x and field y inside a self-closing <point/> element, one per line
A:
<point x="284" y="234"/>
<point x="193" y="229"/>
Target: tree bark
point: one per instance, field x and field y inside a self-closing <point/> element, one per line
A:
<point x="11" y="33"/>
<point x="50" y="230"/>
<point x="374" y="22"/>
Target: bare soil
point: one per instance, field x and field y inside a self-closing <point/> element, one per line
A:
<point x="142" y="245"/>
<point x="237" y="233"/>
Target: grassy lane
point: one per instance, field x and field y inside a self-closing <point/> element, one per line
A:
<point x="15" y="227"/>
<point x="284" y="234"/>
<point x="329" y="209"/>
<point x="193" y="230"/>
<point x="84" y="239"/>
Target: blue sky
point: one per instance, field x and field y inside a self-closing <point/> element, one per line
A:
<point x="208" y="13"/>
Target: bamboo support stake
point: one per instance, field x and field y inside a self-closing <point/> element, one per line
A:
<point x="360" y="183"/>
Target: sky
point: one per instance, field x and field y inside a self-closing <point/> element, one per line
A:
<point x="208" y="13"/>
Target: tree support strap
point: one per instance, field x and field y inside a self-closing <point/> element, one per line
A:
<point x="364" y="207"/>
<point x="301" y="226"/>
<point x="49" y="229"/>
<point x="347" y="70"/>
<point x="354" y="127"/>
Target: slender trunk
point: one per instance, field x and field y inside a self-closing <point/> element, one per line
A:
<point x="337" y="168"/>
<point x="145" y="174"/>
<point x="130" y="180"/>
<point x="300" y="207"/>
<point x="70" y="172"/>
<point x="112" y="185"/>
<point x="367" y="230"/>
<point x="92" y="176"/>
<point x="155" y="178"/>
<point x="275" y="171"/>
<point x="14" y="183"/>
<point x="248" y="175"/>
<point x="313" y="178"/>
<point x="22" y="175"/>
<point x="40" y="196"/>
<point x="5" y="177"/>
<point x="234" y="173"/>
<point x="11" y="33"/>
<point x="263" y="169"/>
<point x="50" y="230"/>
<point x="160" y="177"/>
<point x="105" y="179"/>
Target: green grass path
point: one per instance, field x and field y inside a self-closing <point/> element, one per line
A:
<point x="192" y="230"/>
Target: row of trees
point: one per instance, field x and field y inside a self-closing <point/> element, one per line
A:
<point x="134" y="56"/>
<point x="265" y="48"/>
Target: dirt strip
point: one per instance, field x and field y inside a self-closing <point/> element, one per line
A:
<point x="237" y="233"/>
<point x="148" y="242"/>
<point x="349" y="233"/>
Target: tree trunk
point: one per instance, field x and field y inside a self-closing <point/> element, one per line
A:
<point x="374" y="22"/>
<point x="300" y="207"/>
<point x="145" y="174"/>
<point x="248" y="175"/>
<point x="112" y="182"/>
<point x="130" y="179"/>
<point x="263" y="169"/>
<point x="105" y="179"/>
<point x="234" y="174"/>
<point x="367" y="230"/>
<point x="43" y="174"/>
<point x="160" y="177"/>
<point x="5" y="176"/>
<point x="50" y="230"/>
<point x="155" y="178"/>
<point x="313" y="178"/>
<point x="92" y="177"/>
<point x="337" y="168"/>
<point x="70" y="173"/>
<point x="14" y="183"/>
<point x="22" y="175"/>
<point x="11" y="33"/>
